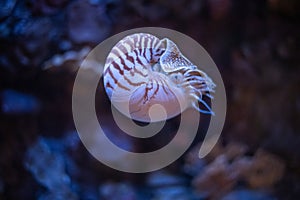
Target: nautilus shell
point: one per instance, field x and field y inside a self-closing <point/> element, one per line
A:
<point x="142" y="70"/>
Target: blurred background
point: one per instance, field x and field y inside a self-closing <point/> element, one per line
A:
<point x="254" y="43"/>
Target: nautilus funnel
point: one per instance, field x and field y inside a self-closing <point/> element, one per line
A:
<point x="142" y="71"/>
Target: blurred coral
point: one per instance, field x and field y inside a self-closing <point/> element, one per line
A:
<point x="264" y="171"/>
<point x="228" y="166"/>
<point x="216" y="179"/>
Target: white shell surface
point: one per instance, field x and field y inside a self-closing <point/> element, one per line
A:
<point x="140" y="72"/>
<point x="159" y="91"/>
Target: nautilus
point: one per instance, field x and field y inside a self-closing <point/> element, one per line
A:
<point x="142" y="70"/>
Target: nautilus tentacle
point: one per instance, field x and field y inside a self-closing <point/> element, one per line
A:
<point x="141" y="70"/>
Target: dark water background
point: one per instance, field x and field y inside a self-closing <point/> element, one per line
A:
<point x="254" y="43"/>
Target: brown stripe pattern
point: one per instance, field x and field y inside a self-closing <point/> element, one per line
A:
<point x="128" y="64"/>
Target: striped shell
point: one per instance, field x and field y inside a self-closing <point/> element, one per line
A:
<point x="141" y="70"/>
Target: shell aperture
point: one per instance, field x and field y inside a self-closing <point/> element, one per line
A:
<point x="141" y="70"/>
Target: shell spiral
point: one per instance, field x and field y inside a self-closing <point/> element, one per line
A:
<point x="142" y="70"/>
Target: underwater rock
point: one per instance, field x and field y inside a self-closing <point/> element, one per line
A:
<point x="162" y="178"/>
<point x="7" y="7"/>
<point x="247" y="195"/>
<point x="166" y="186"/>
<point x="87" y="23"/>
<point x="174" y="193"/>
<point x="14" y="102"/>
<point x="117" y="191"/>
<point x="34" y="47"/>
<point x="48" y="168"/>
<point x="157" y="10"/>
<point x="151" y="11"/>
<point x="58" y="196"/>
<point x="31" y="42"/>
<point x="47" y="6"/>
<point x="27" y="39"/>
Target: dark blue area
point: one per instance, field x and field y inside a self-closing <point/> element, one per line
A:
<point x="14" y="102"/>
